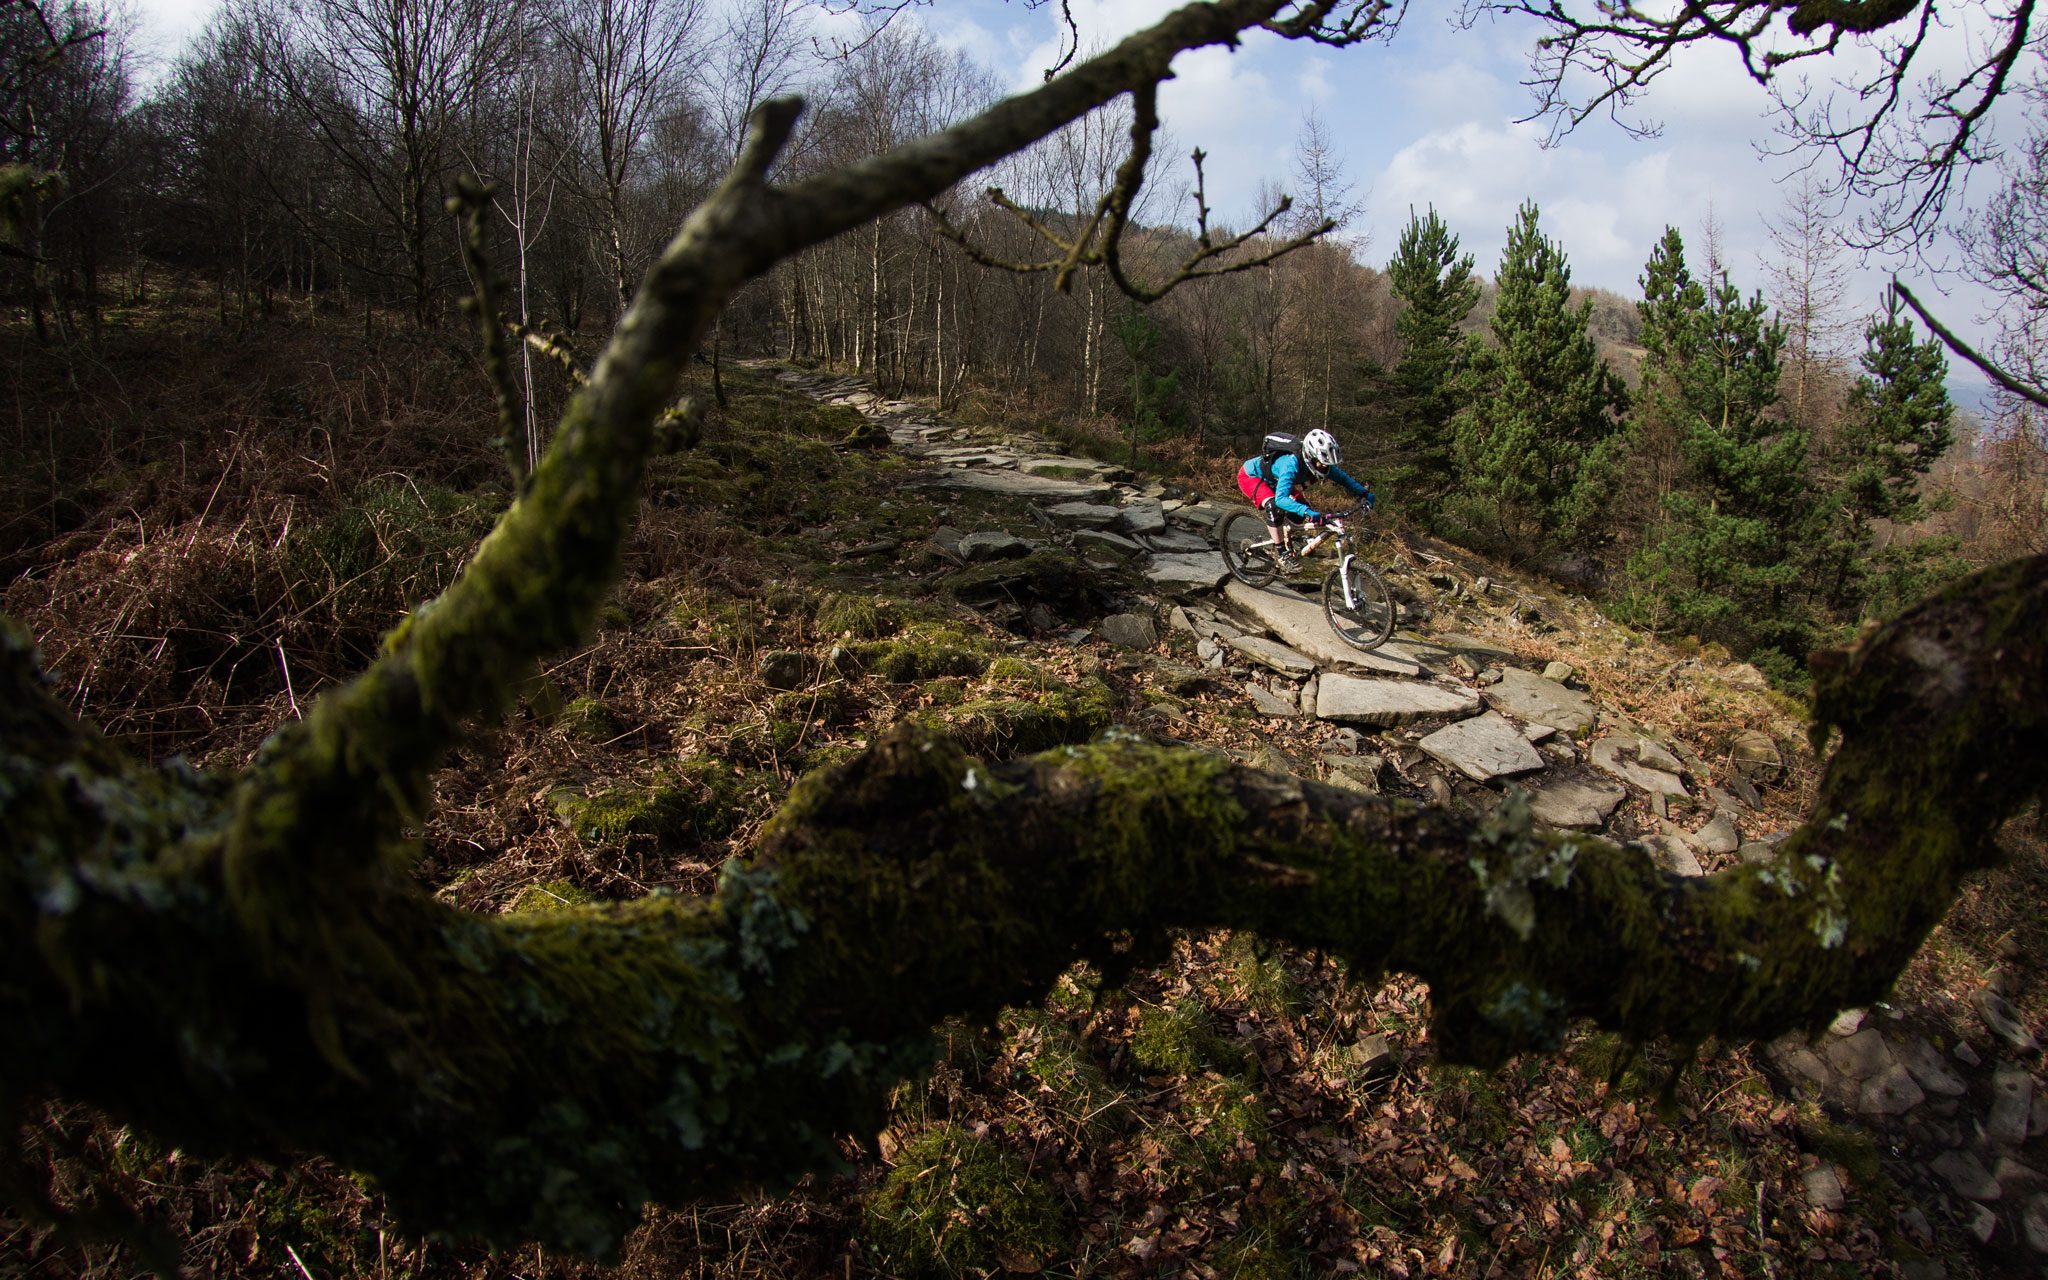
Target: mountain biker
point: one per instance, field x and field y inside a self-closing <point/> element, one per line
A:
<point x="1270" y="484"/>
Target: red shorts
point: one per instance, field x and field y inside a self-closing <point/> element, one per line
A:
<point x="1254" y="487"/>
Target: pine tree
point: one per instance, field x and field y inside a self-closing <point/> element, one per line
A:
<point x="1542" y="404"/>
<point x="1435" y="283"/>
<point x="1725" y="559"/>
<point x="1898" y="422"/>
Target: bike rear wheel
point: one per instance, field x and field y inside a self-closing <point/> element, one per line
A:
<point x="1358" y="605"/>
<point x="1240" y="538"/>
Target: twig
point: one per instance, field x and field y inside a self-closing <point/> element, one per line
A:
<point x="291" y="695"/>
<point x="1963" y="349"/>
<point x="297" y="1262"/>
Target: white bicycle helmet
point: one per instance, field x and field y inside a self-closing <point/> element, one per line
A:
<point x="1319" y="450"/>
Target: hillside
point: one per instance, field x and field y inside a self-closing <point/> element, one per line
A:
<point x="828" y="561"/>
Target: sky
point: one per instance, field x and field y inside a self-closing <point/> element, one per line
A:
<point x="1431" y="119"/>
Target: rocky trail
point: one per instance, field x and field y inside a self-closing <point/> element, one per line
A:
<point x="1469" y="705"/>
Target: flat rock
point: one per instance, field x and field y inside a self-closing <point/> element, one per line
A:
<point x="1012" y="484"/>
<point x="1299" y="623"/>
<point x="1128" y="630"/>
<point x="1203" y="570"/>
<point x="1199" y="516"/>
<point x="1718" y="836"/>
<point x="993" y="545"/>
<point x="1372" y="1055"/>
<point x="1611" y="755"/>
<point x="1175" y="540"/>
<point x="1931" y="1069"/>
<point x="1576" y="804"/>
<point x="1270" y="703"/>
<point x="2035" y="1223"/>
<point x="2012" y="1101"/>
<point x="1058" y="468"/>
<point x="1086" y="515"/>
<point x="1848" y="1022"/>
<point x="1483" y="748"/>
<point x="1862" y="1056"/>
<point x="1268" y="654"/>
<point x="1891" y="1092"/>
<point x="1755" y="756"/>
<point x="1823" y="1187"/>
<point x="1361" y="772"/>
<point x="1366" y="700"/>
<point x="1558" y="671"/>
<point x="1144" y="517"/>
<point x="1673" y="855"/>
<point x="2003" y="1022"/>
<point x="1795" y="1059"/>
<point x="1966" y="1174"/>
<point x="1530" y="697"/>
<point x="1103" y="540"/>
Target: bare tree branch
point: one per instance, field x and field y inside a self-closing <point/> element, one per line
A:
<point x="2006" y="381"/>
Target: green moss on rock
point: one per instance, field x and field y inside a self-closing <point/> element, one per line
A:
<point x="700" y="799"/>
<point x="924" y="652"/>
<point x="588" y="719"/>
<point x="956" y="1204"/>
<point x="1057" y="715"/>
<point x="550" y="895"/>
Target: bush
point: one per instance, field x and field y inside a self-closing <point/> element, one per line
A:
<point x="956" y="1204"/>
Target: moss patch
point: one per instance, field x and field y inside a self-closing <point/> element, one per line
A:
<point x="588" y="719"/>
<point x="551" y="895"/>
<point x="1181" y="1039"/>
<point x="844" y="615"/>
<point x="701" y="799"/>
<point x="957" y="1204"/>
<point x="924" y="652"/>
<point x="1057" y="715"/>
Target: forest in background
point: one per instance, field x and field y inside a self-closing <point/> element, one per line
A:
<point x="1762" y="462"/>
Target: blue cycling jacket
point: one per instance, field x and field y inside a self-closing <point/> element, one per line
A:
<point x="1286" y="471"/>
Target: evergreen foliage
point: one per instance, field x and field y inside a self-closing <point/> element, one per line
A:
<point x="1899" y="421"/>
<point x="1725" y="556"/>
<point x="1535" y="441"/>
<point x="1152" y="416"/>
<point x="1435" y="285"/>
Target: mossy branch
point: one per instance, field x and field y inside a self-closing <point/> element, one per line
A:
<point x="542" y="1077"/>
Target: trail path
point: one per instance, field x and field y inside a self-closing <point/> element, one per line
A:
<point x="1461" y="718"/>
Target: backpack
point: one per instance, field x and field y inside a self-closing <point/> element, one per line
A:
<point x="1275" y="444"/>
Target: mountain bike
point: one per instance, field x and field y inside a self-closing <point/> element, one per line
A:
<point x="1356" y="601"/>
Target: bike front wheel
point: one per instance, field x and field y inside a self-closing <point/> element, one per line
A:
<point x="1247" y="546"/>
<point x="1358" y="604"/>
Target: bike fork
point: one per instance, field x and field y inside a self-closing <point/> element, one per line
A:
<point x="1344" y="576"/>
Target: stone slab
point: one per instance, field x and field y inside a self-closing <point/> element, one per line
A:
<point x="1270" y="703"/>
<point x="993" y="545"/>
<point x="1144" y="517"/>
<point x="1086" y="515"/>
<point x="1175" y="540"/>
<point x="1381" y="702"/>
<point x="1011" y="484"/>
<point x="1276" y="657"/>
<point x="1483" y="748"/>
<point x="1576" y="804"/>
<point x="1102" y="539"/>
<point x="1613" y="753"/>
<point x="1529" y="697"/>
<point x="1128" y="630"/>
<point x="1203" y="569"/>
<point x="1299" y="623"/>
